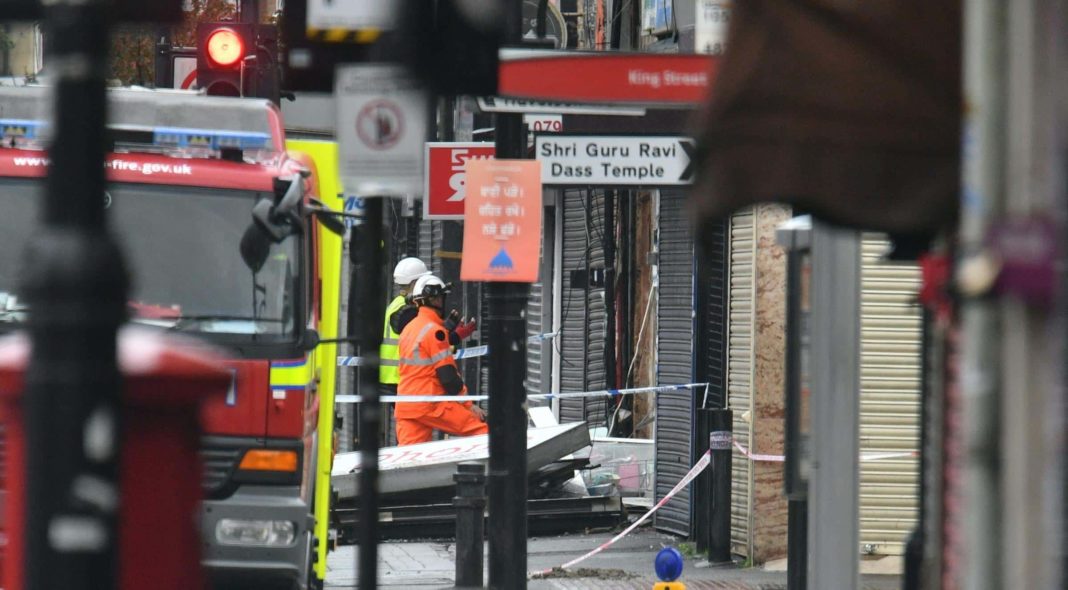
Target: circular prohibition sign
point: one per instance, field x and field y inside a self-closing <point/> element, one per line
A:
<point x="380" y="124"/>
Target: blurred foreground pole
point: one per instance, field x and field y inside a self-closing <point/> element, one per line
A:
<point x="983" y="188"/>
<point x="833" y="536"/>
<point x="76" y="284"/>
<point x="507" y="481"/>
<point x="369" y="304"/>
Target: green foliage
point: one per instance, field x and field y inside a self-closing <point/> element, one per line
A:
<point x="6" y="42"/>
<point x="687" y="549"/>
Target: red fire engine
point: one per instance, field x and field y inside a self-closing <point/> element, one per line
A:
<point x="189" y="176"/>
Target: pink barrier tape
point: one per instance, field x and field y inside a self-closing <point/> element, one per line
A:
<point x="757" y="457"/>
<point x="863" y="458"/>
<point x="696" y="470"/>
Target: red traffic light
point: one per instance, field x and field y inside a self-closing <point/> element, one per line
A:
<point x="225" y="47"/>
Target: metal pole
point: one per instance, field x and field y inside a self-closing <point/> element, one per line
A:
<point x="344" y="413"/>
<point x="76" y="284"/>
<point x="835" y="408"/>
<point x="983" y="191"/>
<point x="368" y="303"/>
<point x="470" y="503"/>
<point x="507" y="435"/>
<point x="609" y="246"/>
<point x="507" y="369"/>
<point x="720" y="426"/>
<point x="796" y="544"/>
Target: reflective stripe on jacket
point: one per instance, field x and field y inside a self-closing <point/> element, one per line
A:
<point x="387" y="353"/>
<point x="424" y="347"/>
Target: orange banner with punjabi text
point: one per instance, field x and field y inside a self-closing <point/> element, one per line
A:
<point x="502" y="221"/>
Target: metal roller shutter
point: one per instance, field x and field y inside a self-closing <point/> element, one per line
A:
<point x="675" y="338"/>
<point x="425" y="245"/>
<point x="740" y="296"/>
<point x="596" y="408"/>
<point x="713" y="289"/>
<point x="536" y="322"/>
<point x="582" y="333"/>
<point x="890" y="398"/>
<point x="573" y="323"/>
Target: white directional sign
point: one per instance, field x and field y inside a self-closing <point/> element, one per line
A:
<point x="381" y="127"/>
<point x="615" y="160"/>
<point x="495" y="104"/>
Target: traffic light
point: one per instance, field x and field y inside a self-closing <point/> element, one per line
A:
<point x="238" y="59"/>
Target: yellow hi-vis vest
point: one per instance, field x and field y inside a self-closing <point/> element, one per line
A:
<point x="388" y="353"/>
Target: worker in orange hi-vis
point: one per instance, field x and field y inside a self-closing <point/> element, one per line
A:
<point x="428" y="368"/>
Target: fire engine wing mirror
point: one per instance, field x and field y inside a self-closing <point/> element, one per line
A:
<point x="310" y="339"/>
<point x="274" y="221"/>
<point x="289" y="195"/>
<point x="328" y="219"/>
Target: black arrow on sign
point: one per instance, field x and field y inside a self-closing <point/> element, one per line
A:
<point x="689" y="147"/>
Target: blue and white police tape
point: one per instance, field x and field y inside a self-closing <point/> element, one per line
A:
<point x="355" y="399"/>
<point x="463" y="353"/>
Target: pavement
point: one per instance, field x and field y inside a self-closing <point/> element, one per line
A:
<point x="627" y="564"/>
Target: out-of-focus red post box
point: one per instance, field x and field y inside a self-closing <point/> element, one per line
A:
<point x="165" y="381"/>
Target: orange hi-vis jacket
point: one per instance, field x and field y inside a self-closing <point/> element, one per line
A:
<point x="424" y="346"/>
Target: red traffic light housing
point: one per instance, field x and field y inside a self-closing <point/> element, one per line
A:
<point x="238" y="59"/>
<point x="225" y="47"/>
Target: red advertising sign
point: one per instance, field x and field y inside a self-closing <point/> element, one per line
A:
<point x="602" y="76"/>
<point x="443" y="194"/>
<point x="502" y="221"/>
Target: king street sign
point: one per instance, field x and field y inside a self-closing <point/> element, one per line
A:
<point x="615" y="160"/>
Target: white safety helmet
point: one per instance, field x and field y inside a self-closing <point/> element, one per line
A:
<point x="408" y="270"/>
<point x="429" y="286"/>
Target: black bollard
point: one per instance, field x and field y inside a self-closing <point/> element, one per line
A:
<point x="720" y="426"/>
<point x="470" y="503"/>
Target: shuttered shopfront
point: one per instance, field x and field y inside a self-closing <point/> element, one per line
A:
<point x="890" y="398"/>
<point x="675" y="342"/>
<point x="583" y="315"/>
<point x="741" y="292"/>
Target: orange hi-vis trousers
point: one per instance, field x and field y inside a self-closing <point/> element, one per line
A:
<point x="454" y="419"/>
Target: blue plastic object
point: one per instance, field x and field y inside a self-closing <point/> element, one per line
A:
<point x="668" y="564"/>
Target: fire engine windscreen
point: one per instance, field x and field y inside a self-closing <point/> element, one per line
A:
<point x="182" y="249"/>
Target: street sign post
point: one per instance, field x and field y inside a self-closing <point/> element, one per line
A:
<point x="446" y="176"/>
<point x="382" y="123"/>
<point x="502" y="221"/>
<point x="678" y="80"/>
<point x="615" y="160"/>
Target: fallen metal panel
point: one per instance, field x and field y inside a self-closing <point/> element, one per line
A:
<point x="432" y="465"/>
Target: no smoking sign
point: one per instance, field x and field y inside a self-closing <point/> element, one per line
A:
<point x="382" y="122"/>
